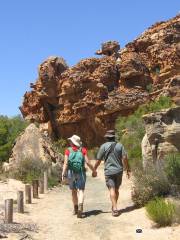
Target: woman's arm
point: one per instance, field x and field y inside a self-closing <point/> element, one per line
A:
<point x="88" y="162"/>
<point x="65" y="166"/>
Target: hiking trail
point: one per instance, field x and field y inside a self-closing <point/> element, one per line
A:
<point x="53" y="215"/>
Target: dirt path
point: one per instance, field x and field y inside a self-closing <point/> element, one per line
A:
<point x="53" y="214"/>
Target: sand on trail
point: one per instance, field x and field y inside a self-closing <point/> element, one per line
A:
<point x="53" y="215"/>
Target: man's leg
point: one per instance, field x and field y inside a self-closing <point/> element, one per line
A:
<point x="117" y="194"/>
<point x="113" y="198"/>
<point x="118" y="181"/>
<point x="110" y="183"/>
<point x="114" y="194"/>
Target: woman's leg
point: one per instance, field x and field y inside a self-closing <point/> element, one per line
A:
<point x="81" y="196"/>
<point x="75" y="200"/>
<point x="81" y="186"/>
<point x="74" y="197"/>
<point x="81" y="201"/>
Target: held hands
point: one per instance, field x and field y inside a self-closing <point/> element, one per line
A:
<point x="94" y="173"/>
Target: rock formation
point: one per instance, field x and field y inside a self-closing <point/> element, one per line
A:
<point x="87" y="98"/>
<point x="33" y="144"/>
<point x="162" y="135"/>
<point x="109" y="48"/>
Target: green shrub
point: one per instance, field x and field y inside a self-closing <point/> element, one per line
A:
<point x="60" y="145"/>
<point x="55" y="176"/>
<point x="161" y="211"/>
<point x="92" y="153"/>
<point x="10" y="128"/>
<point x="149" y="88"/>
<point x="28" y="169"/>
<point x="53" y="181"/>
<point x="148" y="184"/>
<point x="177" y="212"/>
<point x="172" y="168"/>
<point x="130" y="130"/>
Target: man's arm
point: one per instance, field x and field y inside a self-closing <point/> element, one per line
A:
<point x="99" y="157"/>
<point x="98" y="162"/>
<point x="65" y="166"/>
<point x="126" y="165"/>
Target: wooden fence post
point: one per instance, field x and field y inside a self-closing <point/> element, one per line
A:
<point x="41" y="186"/>
<point x="20" y="201"/>
<point x="8" y="211"/>
<point x="46" y="180"/>
<point x="35" y="188"/>
<point x="28" y="194"/>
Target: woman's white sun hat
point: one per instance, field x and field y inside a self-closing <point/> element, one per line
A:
<point x="76" y="140"/>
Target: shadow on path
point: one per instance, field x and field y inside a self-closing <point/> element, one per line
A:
<point x="93" y="213"/>
<point x="128" y="209"/>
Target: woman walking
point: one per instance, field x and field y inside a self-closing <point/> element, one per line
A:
<point x="74" y="168"/>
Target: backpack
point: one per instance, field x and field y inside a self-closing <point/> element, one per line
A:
<point x="76" y="160"/>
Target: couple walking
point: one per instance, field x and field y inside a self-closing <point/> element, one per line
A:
<point x="115" y="159"/>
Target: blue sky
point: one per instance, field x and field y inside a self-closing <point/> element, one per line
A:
<point x="30" y="31"/>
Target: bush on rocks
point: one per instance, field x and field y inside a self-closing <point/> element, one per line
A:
<point x="172" y="168"/>
<point x="148" y="184"/>
<point x="28" y="169"/>
<point x="130" y="130"/>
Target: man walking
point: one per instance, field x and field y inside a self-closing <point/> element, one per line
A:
<point x="115" y="158"/>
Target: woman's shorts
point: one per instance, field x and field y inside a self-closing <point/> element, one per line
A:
<point x="76" y="180"/>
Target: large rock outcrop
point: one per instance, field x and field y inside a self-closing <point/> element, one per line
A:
<point x="87" y="98"/>
<point x="162" y="135"/>
<point x="34" y="144"/>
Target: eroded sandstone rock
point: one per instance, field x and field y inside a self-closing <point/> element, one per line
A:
<point x="34" y="144"/>
<point x="162" y="135"/>
<point x="109" y="48"/>
<point x="87" y="98"/>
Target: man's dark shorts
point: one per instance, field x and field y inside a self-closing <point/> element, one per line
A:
<point x="114" y="181"/>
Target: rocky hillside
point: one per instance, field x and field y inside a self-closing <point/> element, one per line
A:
<point x="87" y="98"/>
<point x="162" y="135"/>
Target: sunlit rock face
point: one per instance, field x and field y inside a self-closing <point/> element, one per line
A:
<point x="34" y="144"/>
<point x="87" y="98"/>
<point x="162" y="135"/>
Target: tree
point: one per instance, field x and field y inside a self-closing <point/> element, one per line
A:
<point x="10" y="128"/>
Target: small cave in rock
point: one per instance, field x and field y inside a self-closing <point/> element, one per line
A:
<point x="136" y="81"/>
<point x="156" y="69"/>
<point x="113" y="85"/>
